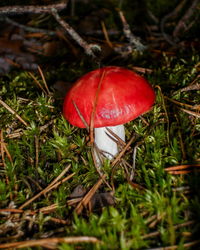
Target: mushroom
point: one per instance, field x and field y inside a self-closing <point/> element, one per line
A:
<point x="117" y="95"/>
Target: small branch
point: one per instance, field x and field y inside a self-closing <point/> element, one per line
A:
<point x="13" y="112"/>
<point x="165" y="111"/>
<point x="95" y="105"/>
<point x="132" y="173"/>
<point x="189" y="88"/>
<point x="192" y="86"/>
<point x="181" y="26"/>
<point x="81" y="116"/>
<point x="37" y="83"/>
<point x="2" y="153"/>
<point x="195" y="107"/>
<point x="36" y="152"/>
<point x="133" y="40"/>
<point x="185" y="245"/>
<point x="183" y="169"/>
<point x="36" y="9"/>
<point x="83" y="203"/>
<point x="50" y="243"/>
<point x="105" y="32"/>
<point x="168" y="16"/>
<point x="56" y="182"/>
<point x="50" y="9"/>
<point x="44" y="81"/>
<point x="119" y="156"/>
<point x="28" y="28"/>
<point x="196" y="114"/>
<point x="157" y="233"/>
<point x="89" y="48"/>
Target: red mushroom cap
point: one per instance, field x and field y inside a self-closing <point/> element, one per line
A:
<point x="123" y="96"/>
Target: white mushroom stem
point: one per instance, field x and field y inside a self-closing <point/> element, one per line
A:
<point x="106" y="142"/>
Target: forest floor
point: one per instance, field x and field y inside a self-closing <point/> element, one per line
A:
<point x="51" y="195"/>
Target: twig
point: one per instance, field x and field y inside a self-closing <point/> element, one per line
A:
<point x="89" y="48"/>
<point x="183" y="169"/>
<point x="42" y="128"/>
<point x="37" y="83"/>
<point x="135" y="185"/>
<point x="50" y="243"/>
<point x="51" y="9"/>
<point x="88" y="196"/>
<point x="11" y="210"/>
<point x="28" y="28"/>
<point x="102" y="75"/>
<point x="4" y="146"/>
<point x="156" y="233"/>
<point x="44" y="80"/>
<point x="122" y="152"/>
<point x="2" y="151"/>
<point x="190" y="87"/>
<point x="36" y="152"/>
<point x="196" y="107"/>
<point x="165" y="18"/>
<point x="180" y="167"/>
<point x="106" y="34"/>
<point x="47" y="189"/>
<point x="181" y="26"/>
<point x="60" y="175"/>
<point x="191" y="112"/>
<point x="133" y="165"/>
<point x="182" y="145"/>
<point x="19" y="132"/>
<point x="153" y="17"/>
<point x="44" y="210"/>
<point x="36" y="9"/>
<point x="34" y="182"/>
<point x="52" y="185"/>
<point x="185" y="245"/>
<point x="25" y="213"/>
<point x="72" y="47"/>
<point x="13" y="112"/>
<point x="180" y="172"/>
<point x="115" y="137"/>
<point x="111" y="32"/>
<point x="81" y="116"/>
<point x="130" y="182"/>
<point x="133" y="40"/>
<point x="182" y="190"/>
<point x="166" y="113"/>
<point x="59" y="221"/>
<point x="142" y="70"/>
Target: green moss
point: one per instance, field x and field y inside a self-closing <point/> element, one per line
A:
<point x="167" y="137"/>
